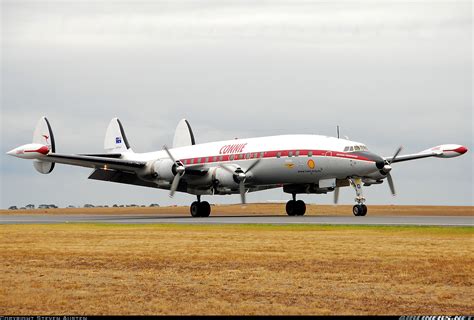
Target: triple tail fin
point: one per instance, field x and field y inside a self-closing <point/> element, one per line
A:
<point x="183" y="135"/>
<point x="43" y="134"/>
<point x="115" y="139"/>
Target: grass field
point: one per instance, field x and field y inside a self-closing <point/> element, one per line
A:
<point x="268" y="209"/>
<point x="238" y="269"/>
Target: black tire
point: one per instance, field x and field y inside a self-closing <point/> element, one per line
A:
<point x="291" y="208"/>
<point x="194" y="209"/>
<point x="300" y="208"/>
<point x="204" y="209"/>
<point x="357" y="210"/>
<point x="364" y="210"/>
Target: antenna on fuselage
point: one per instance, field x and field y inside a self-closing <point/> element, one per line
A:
<point x="338" y="132"/>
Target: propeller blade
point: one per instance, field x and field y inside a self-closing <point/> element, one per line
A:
<point x="174" y="184"/>
<point x="391" y="184"/>
<point x="336" y="195"/>
<point x="242" y="191"/>
<point x="253" y="165"/>
<point x="396" y="154"/>
<point x="169" y="153"/>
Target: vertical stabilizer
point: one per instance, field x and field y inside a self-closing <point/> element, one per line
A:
<point x="43" y="134"/>
<point x="115" y="138"/>
<point x="183" y="135"/>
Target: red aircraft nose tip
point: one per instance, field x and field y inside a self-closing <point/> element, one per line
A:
<point x="461" y="150"/>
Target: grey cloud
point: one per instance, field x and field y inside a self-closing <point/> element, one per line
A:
<point x="389" y="73"/>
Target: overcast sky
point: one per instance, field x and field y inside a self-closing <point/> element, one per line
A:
<point x="389" y="73"/>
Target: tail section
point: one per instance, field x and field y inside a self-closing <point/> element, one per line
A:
<point x="43" y="135"/>
<point x="115" y="139"/>
<point x="183" y="135"/>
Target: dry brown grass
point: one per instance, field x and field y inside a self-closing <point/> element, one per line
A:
<point x="268" y="209"/>
<point x="180" y="269"/>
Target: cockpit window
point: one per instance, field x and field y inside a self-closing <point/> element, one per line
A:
<point x="347" y="148"/>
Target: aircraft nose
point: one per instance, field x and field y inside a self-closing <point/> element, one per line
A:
<point x="12" y="152"/>
<point x="379" y="161"/>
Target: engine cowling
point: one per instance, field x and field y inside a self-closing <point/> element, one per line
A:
<point x="163" y="169"/>
<point x="225" y="179"/>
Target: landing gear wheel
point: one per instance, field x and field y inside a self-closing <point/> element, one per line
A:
<point x="205" y="209"/>
<point x="295" y="208"/>
<point x="358" y="210"/>
<point x="300" y="208"/>
<point x="200" y="209"/>
<point x="291" y="208"/>
<point x="194" y="209"/>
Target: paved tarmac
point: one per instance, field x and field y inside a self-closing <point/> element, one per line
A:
<point x="276" y="220"/>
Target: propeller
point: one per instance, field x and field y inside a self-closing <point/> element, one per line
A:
<point x="180" y="169"/>
<point x="387" y="168"/>
<point x="241" y="176"/>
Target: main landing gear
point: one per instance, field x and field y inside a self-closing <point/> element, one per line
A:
<point x="200" y="209"/>
<point x="295" y="207"/>
<point x="360" y="209"/>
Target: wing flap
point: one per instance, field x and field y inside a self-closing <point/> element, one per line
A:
<point x="120" y="177"/>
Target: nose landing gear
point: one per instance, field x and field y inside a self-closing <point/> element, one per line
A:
<point x="295" y="207"/>
<point x="360" y="209"/>
<point x="200" y="209"/>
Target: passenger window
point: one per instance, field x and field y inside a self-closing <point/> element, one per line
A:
<point x="207" y="159"/>
<point x="241" y="156"/>
<point x="310" y="153"/>
<point x="278" y="154"/>
<point x="247" y="156"/>
<point x="262" y="154"/>
<point x="231" y="157"/>
<point x="290" y="154"/>
<point x="220" y="158"/>
<point x="297" y="153"/>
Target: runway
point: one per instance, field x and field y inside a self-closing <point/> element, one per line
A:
<point x="462" y="221"/>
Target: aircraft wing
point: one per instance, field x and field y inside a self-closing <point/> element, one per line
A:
<point x="95" y="161"/>
<point x="410" y="157"/>
<point x="443" y="151"/>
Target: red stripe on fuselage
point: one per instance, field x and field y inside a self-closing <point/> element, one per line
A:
<point x="272" y="154"/>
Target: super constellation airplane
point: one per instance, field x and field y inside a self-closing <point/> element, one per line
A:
<point x="298" y="163"/>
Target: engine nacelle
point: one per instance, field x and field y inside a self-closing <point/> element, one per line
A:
<point x="368" y="181"/>
<point x="224" y="179"/>
<point x="375" y="176"/>
<point x="163" y="169"/>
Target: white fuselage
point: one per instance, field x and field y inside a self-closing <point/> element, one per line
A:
<point x="285" y="159"/>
